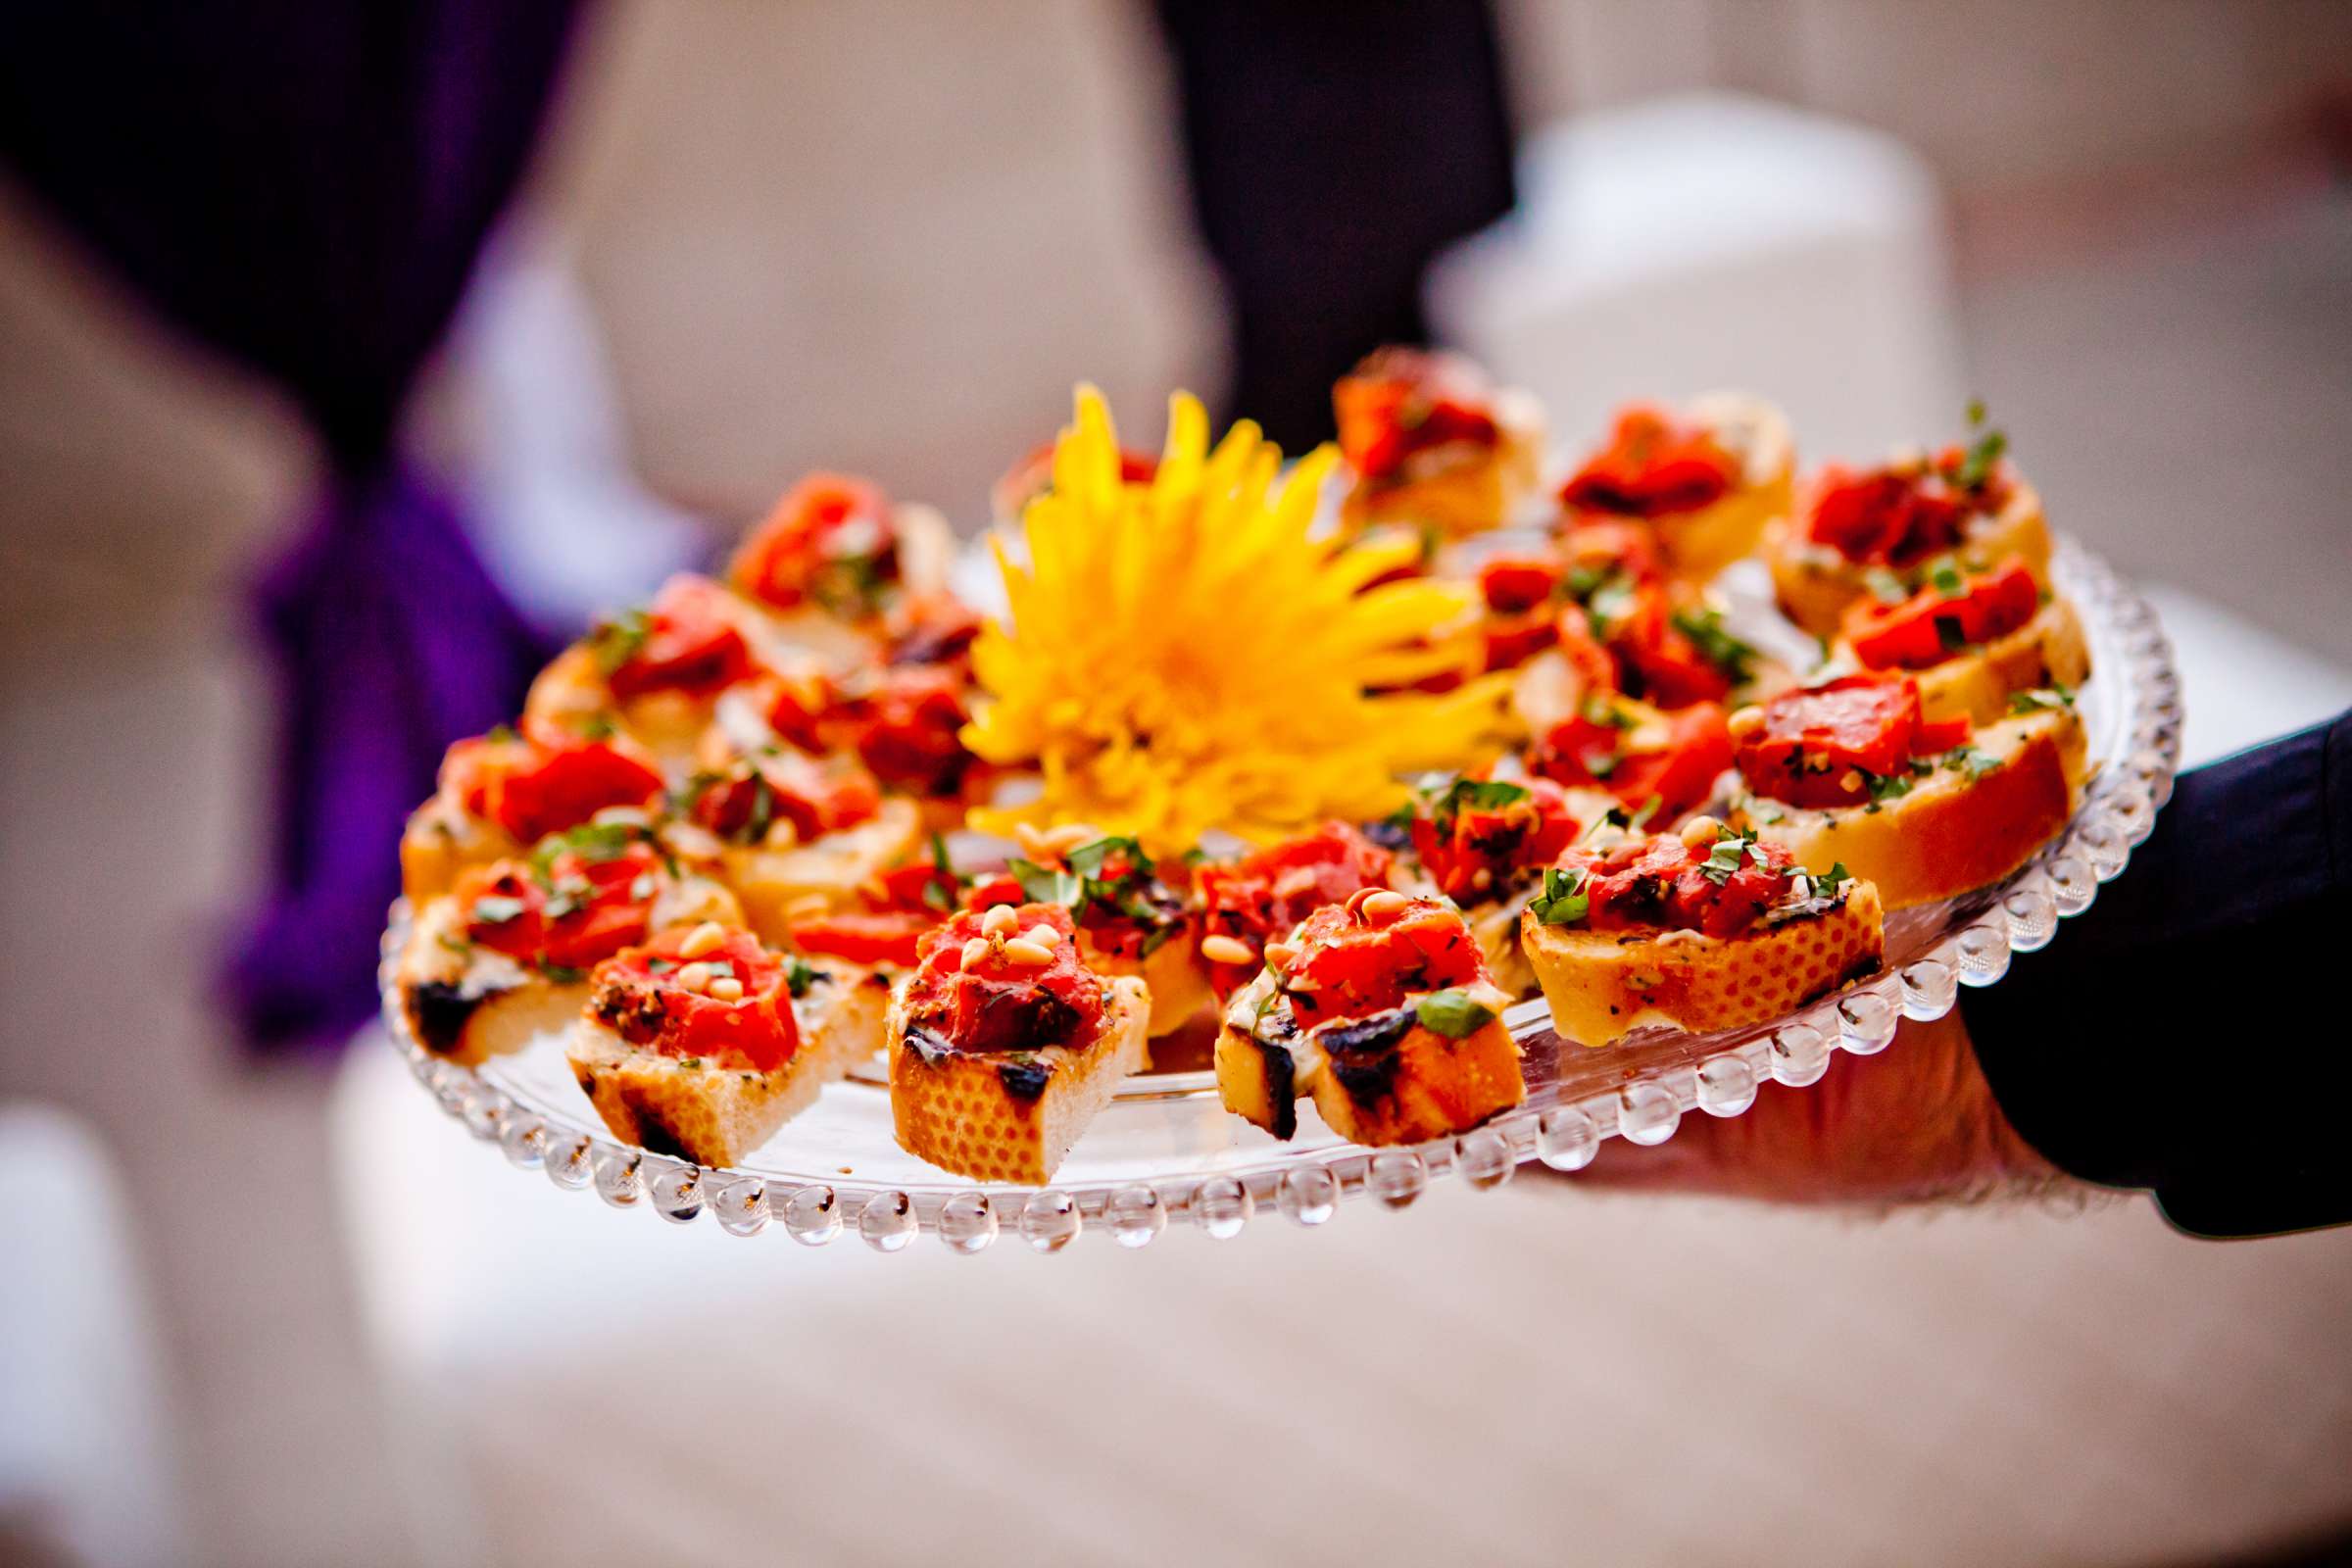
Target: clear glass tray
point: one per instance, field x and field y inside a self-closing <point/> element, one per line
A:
<point x="1167" y="1151"/>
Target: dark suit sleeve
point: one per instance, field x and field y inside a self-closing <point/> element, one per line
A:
<point x="2188" y="1034"/>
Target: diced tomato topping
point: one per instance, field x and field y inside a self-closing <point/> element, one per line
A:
<point x="567" y="910"/>
<point x="686" y="641"/>
<point x="1267" y="892"/>
<point x="638" y="996"/>
<point x="1930" y="626"/>
<point x="930" y="628"/>
<point x="1401" y="401"/>
<point x="798" y="707"/>
<point x="1899" y="516"/>
<point x="990" y="1002"/>
<point x="1473" y="850"/>
<point x="1656" y="659"/>
<point x="1346" y="968"/>
<point x="1661" y="883"/>
<point x="1815" y="747"/>
<point x="816" y="798"/>
<point x="907" y="726"/>
<point x="1593" y="749"/>
<point x="878" y="936"/>
<point x="830" y="541"/>
<point x="548" y="778"/>
<point x="1653" y="464"/>
<point x="1510" y="583"/>
<point x="1125" y="910"/>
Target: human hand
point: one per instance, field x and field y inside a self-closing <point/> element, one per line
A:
<point x="1915" y="1123"/>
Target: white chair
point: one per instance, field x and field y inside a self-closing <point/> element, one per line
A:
<point x="1714" y="240"/>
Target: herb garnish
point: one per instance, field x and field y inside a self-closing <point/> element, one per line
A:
<point x="1727" y="653"/>
<point x="496" y="910"/>
<point x="616" y="641"/>
<point x="1724" y="858"/>
<point x="1563" y="900"/>
<point x="1454" y="1013"/>
<point x="799" y="976"/>
<point x="2055" y="697"/>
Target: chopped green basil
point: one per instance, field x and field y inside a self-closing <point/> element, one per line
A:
<point x="1563" y="901"/>
<point x="1737" y="659"/>
<point x="496" y="910"/>
<point x="2053" y="697"/>
<point x="799" y="976"/>
<point x="1454" y="1013"/>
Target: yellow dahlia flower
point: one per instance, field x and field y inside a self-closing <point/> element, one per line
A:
<point x="1191" y="654"/>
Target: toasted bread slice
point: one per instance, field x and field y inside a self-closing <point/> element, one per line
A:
<point x="1814" y="584"/>
<point x="2048" y="650"/>
<point x="999" y="1118"/>
<point x="1698" y="545"/>
<point x="1953" y="831"/>
<point x="1378" y="1081"/>
<point x="1603" y="985"/>
<point x="1174" y="975"/>
<point x="696" y="1109"/>
<point x="1466" y="497"/>
<point x="779" y="887"/>
<point x="465" y="1003"/>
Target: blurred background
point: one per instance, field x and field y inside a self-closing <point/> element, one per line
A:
<point x="268" y="1307"/>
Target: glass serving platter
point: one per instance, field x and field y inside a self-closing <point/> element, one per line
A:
<point x="1167" y="1151"/>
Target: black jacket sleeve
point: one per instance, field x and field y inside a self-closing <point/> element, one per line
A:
<point x="2188" y="1033"/>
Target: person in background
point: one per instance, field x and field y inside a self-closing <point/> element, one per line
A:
<point x="2164" y="1041"/>
<point x="1333" y="149"/>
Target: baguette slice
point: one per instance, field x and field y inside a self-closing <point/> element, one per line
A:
<point x="1814" y="584"/>
<point x="1000" y="1118"/>
<point x="1952" y="832"/>
<point x="1603" y="985"/>
<point x="1697" y="545"/>
<point x="715" y="1115"/>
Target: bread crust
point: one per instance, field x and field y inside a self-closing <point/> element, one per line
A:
<point x="1603" y="985"/>
<point x="467" y="1004"/>
<point x="715" y="1115"/>
<point x="1951" y="833"/>
<point x="1814" y="585"/>
<point x="956" y="1110"/>
<point x="440" y="842"/>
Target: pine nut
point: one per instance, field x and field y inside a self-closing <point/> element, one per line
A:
<point x="1746" y="722"/>
<point x="702" y="941"/>
<point x="1281" y="955"/>
<point x="998" y="922"/>
<point x="974" y="950"/>
<point x="1219" y="947"/>
<point x="726" y="989"/>
<point x="1699" y="832"/>
<point x="1379" y="909"/>
<point x="1022" y="950"/>
<point x="693" y="977"/>
<point x="1044" y="935"/>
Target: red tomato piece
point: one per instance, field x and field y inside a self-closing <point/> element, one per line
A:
<point x="907" y="726"/>
<point x="1652" y="466"/>
<point x="1401" y="401"/>
<point x="1887" y="516"/>
<point x="815" y="799"/>
<point x="990" y="1003"/>
<point x="1660" y="882"/>
<point x="548" y="779"/>
<point x="1930" y="626"/>
<point x="880" y="936"/>
<point x="1349" y="969"/>
<point x="638" y="996"/>
<point x="1680" y="772"/>
<point x="686" y="641"/>
<point x="1473" y="852"/>
<point x="1822" y="746"/>
<point x="831" y="541"/>
<point x="1267" y="892"/>
<point x="568" y="911"/>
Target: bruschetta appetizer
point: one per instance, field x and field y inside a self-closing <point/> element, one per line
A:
<point x="1247" y="903"/>
<point x="1004" y="1044"/>
<point x="702" y="1041"/>
<point x="796" y="835"/>
<point x="833" y="558"/>
<point x="1853" y="773"/>
<point x="1973" y="639"/>
<point x="1432" y="445"/>
<point x="1129" y="919"/>
<point x="1704" y="479"/>
<point x="655" y="673"/>
<point x="1883" y="530"/>
<point x="505" y="955"/>
<point x="1707" y="929"/>
<point x="1483" y="843"/>
<point x="1383" y="1011"/>
<point x="502" y="791"/>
